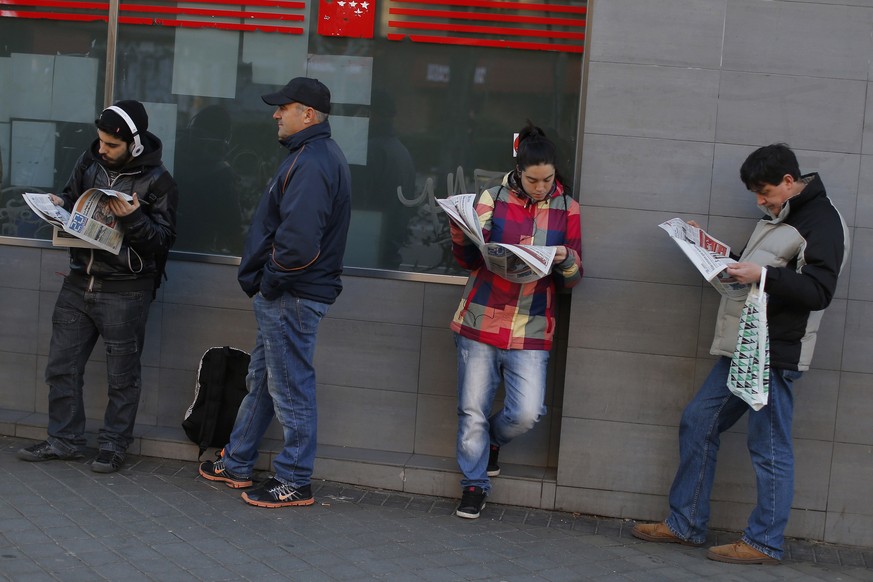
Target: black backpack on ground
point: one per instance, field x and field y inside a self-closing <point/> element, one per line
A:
<point x="220" y="388"/>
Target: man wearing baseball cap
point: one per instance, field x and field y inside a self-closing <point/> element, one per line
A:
<point x="291" y="266"/>
<point x="108" y="295"/>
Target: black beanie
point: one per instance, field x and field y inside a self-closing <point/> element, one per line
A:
<point x="111" y="122"/>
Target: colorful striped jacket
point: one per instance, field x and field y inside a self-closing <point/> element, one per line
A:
<point x="509" y="315"/>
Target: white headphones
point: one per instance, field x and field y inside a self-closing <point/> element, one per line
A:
<point x="137" y="147"/>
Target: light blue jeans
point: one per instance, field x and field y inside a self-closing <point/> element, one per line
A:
<point x="712" y="411"/>
<point x="280" y="381"/>
<point x="480" y="369"/>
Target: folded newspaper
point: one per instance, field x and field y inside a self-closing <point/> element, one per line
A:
<point x="708" y="254"/>
<point x="91" y="223"/>
<point x="516" y="263"/>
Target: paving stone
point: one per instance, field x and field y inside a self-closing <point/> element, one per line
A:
<point x="158" y="520"/>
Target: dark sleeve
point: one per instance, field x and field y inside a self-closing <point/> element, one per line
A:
<point x="568" y="273"/>
<point x="151" y="229"/>
<point x="812" y="286"/>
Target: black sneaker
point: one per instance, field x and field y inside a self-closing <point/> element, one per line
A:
<point x="472" y="503"/>
<point x="107" y="461"/>
<point x="44" y="451"/>
<point x="493" y="467"/>
<point x="216" y="471"/>
<point x="274" y="493"/>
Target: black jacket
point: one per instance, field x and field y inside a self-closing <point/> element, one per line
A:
<point x="149" y="231"/>
<point x="804" y="249"/>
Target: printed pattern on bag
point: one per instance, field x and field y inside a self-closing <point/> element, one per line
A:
<point x="749" y="374"/>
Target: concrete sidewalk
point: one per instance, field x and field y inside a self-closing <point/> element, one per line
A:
<point x="157" y="520"/>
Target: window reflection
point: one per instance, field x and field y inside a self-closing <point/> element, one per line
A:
<point x="453" y="111"/>
<point x="212" y="221"/>
<point x="51" y="79"/>
<point x="417" y="121"/>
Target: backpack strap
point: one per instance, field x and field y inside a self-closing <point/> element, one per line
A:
<point x="163" y="182"/>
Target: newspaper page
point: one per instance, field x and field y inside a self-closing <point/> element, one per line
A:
<point x="708" y="254"/>
<point x="42" y="206"/>
<point x="91" y="221"/>
<point x="57" y="216"/>
<point x="461" y="211"/>
<point x="516" y="263"/>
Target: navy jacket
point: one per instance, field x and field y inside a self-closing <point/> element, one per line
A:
<point x="298" y="234"/>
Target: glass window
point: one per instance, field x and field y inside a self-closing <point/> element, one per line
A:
<point x="51" y="85"/>
<point x="442" y="122"/>
<point x="426" y="99"/>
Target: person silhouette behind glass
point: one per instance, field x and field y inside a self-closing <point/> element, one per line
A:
<point x="209" y="212"/>
<point x="389" y="167"/>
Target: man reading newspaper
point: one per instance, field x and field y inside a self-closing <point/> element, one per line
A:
<point x="798" y="249"/>
<point x="105" y="294"/>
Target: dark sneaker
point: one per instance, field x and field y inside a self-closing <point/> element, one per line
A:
<point x="216" y="471"/>
<point x="44" y="451"/>
<point x="274" y="493"/>
<point x="107" y="461"/>
<point x="472" y="503"/>
<point x="493" y="467"/>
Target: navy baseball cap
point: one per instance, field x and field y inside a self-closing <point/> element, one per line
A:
<point x="310" y="92"/>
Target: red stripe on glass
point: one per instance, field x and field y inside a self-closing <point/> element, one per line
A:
<point x="291" y="5"/>
<point x="515" y="6"/>
<point x="219" y="25"/>
<point x="150" y="14"/>
<point x="52" y="15"/>
<point x="399" y="24"/>
<point x="451" y="15"/>
<point x="211" y="12"/>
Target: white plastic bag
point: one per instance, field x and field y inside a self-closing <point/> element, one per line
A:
<point x="749" y="375"/>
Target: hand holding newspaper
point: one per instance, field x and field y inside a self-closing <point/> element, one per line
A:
<point x="516" y="263"/>
<point x="91" y="224"/>
<point x="708" y="254"/>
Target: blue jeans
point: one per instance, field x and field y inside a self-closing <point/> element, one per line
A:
<point x="79" y="318"/>
<point x="712" y="411"/>
<point x="481" y="367"/>
<point x="280" y="381"/>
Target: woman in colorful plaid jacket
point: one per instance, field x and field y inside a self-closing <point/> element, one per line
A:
<point x="504" y="330"/>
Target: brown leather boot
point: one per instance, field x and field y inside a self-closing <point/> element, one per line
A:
<point x="659" y="532"/>
<point x="739" y="553"/>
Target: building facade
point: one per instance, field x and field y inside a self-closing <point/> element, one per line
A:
<point x="653" y="104"/>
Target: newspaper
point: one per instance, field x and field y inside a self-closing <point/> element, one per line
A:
<point x="89" y="225"/>
<point x="708" y="254"/>
<point x="516" y="263"/>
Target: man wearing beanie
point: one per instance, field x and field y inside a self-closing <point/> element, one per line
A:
<point x="291" y="265"/>
<point x="107" y="295"/>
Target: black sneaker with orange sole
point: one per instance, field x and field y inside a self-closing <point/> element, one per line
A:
<point x="216" y="471"/>
<point x="274" y="493"/>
